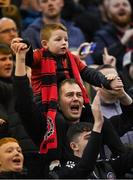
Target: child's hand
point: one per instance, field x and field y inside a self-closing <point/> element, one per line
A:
<point x="116" y="84"/>
<point x="108" y="59"/>
<point x="18" y="46"/>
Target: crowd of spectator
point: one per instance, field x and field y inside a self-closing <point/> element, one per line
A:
<point x="66" y="89"/>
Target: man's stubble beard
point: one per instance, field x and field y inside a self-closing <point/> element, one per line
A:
<point x="52" y="16"/>
<point x="121" y="21"/>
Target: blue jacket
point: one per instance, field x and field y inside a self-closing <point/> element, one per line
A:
<point x="32" y="33"/>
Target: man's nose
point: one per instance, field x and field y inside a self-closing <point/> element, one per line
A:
<point x="122" y="6"/>
<point x="50" y="2"/>
<point x="9" y="61"/>
<point x="75" y="97"/>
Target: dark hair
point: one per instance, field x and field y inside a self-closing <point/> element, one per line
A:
<point x="70" y="81"/>
<point x="87" y="3"/>
<point x="76" y="129"/>
<point x="5" y="49"/>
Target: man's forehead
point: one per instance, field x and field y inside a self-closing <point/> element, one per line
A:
<point x="85" y="134"/>
<point x="112" y="2"/>
<point x="5" y="54"/>
<point x="7" y="24"/>
<point x="46" y="1"/>
<point x="6" y="21"/>
<point x="71" y="87"/>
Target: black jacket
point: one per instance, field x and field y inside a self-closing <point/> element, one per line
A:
<point x="84" y="168"/>
<point x="13" y="175"/>
<point x="11" y="116"/>
<point x="108" y="36"/>
<point x="76" y="168"/>
<point x="32" y="116"/>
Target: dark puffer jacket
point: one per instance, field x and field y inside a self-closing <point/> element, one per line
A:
<point x="9" y="114"/>
<point x="108" y="36"/>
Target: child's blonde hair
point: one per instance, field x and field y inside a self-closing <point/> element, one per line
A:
<point x="45" y="32"/>
<point x="7" y="139"/>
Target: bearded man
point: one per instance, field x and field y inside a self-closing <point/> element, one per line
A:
<point x="117" y="35"/>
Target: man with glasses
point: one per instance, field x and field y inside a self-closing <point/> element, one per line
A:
<point x="8" y="30"/>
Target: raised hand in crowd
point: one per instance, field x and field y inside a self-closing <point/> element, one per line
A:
<point x="96" y="110"/>
<point x="108" y="59"/>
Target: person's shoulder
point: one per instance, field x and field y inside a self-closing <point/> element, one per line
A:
<point x="71" y="26"/>
<point x="37" y="24"/>
<point x="13" y="175"/>
<point x="106" y="29"/>
<point x="37" y="21"/>
<point x="6" y="83"/>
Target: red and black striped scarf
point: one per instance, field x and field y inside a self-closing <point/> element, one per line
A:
<point x="49" y="93"/>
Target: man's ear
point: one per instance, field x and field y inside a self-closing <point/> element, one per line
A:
<point x="74" y="146"/>
<point x="44" y="43"/>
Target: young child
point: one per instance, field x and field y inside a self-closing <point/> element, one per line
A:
<point x="52" y="64"/>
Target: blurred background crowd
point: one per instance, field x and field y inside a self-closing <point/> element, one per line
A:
<point x="106" y="24"/>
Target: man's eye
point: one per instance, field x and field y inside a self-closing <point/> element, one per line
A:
<point x="79" y="95"/>
<point x="2" y="59"/>
<point x="44" y="1"/>
<point x="69" y="95"/>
